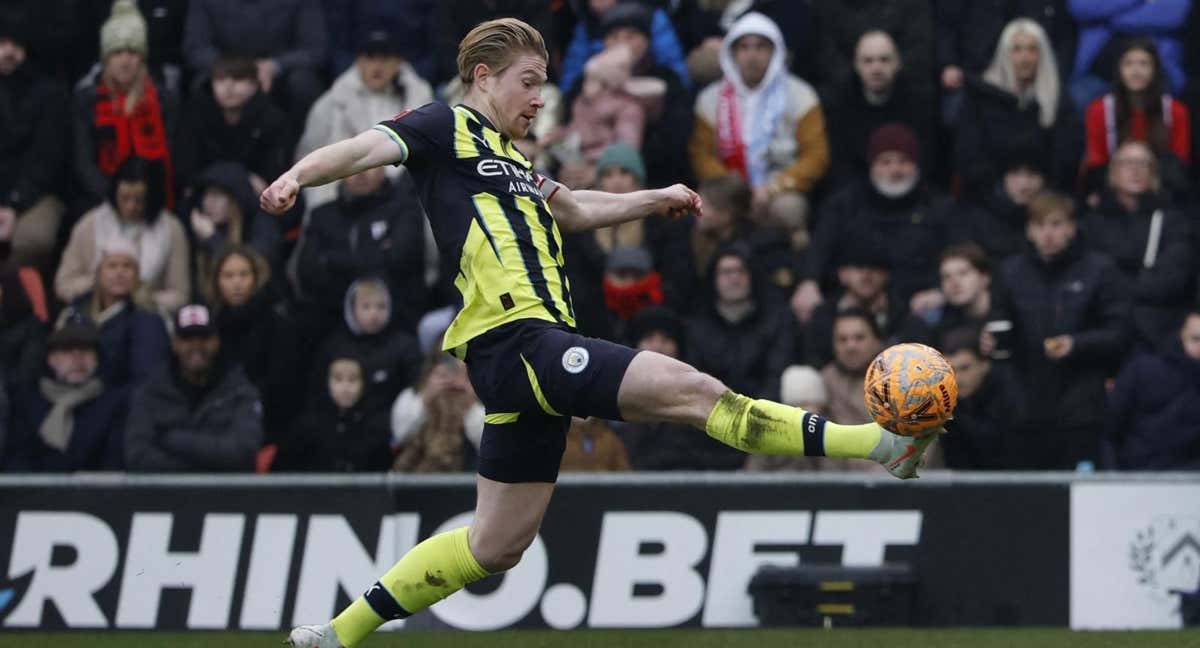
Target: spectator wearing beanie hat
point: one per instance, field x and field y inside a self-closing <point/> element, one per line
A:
<point x="33" y="149"/>
<point x="68" y="420"/>
<point x="120" y="111"/>
<point x="799" y="386"/>
<point x="892" y="211"/>
<point x="133" y="342"/>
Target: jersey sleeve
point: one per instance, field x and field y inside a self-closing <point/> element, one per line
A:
<point x="422" y="134"/>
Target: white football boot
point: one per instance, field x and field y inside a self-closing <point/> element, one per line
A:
<point x="313" y="636"/>
<point x="906" y="453"/>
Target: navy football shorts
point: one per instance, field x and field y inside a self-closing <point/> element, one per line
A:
<point x="532" y="377"/>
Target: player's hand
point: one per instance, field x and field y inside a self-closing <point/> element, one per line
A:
<point x="280" y="196"/>
<point x="678" y="200"/>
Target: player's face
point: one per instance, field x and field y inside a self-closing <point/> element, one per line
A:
<point x="1022" y="184"/>
<point x="752" y="54"/>
<point x="1190" y="336"/>
<point x="854" y="345"/>
<point x="117" y="276"/>
<point x="1051" y="235"/>
<point x="1136" y="69"/>
<point x="517" y="94"/>
<point x="970" y="371"/>
<point x="962" y="283"/>
<point x="236" y="280"/>
<point x="371" y="312"/>
<point x="73" y="366"/>
<point x="345" y="383"/>
<point x="877" y="62"/>
<point x="732" y="280"/>
<point x="1024" y="55"/>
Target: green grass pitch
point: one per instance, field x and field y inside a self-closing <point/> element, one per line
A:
<point x="839" y="638"/>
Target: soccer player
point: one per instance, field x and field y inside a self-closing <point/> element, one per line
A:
<point x="516" y="327"/>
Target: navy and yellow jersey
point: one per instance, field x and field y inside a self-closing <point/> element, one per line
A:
<point x="486" y="208"/>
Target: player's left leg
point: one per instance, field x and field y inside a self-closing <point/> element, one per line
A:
<point x="659" y="388"/>
<point x="507" y="518"/>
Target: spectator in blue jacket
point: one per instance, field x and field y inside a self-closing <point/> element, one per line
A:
<point x="1102" y="23"/>
<point x="70" y="419"/>
<point x="587" y="40"/>
<point x="133" y="341"/>
<point x="1153" y="420"/>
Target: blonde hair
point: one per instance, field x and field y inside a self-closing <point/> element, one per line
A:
<point x="1046" y="87"/>
<point x="496" y="43"/>
<point x="1046" y="203"/>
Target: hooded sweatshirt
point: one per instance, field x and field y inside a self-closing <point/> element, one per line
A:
<point x="773" y="133"/>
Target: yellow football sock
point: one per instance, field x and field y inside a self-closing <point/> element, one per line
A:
<point x="766" y="427"/>
<point x="431" y="571"/>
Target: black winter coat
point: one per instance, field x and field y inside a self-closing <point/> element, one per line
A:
<point x="749" y="356"/>
<point x="1162" y="292"/>
<point x="166" y="433"/>
<point x="850" y="119"/>
<point x="380" y="235"/>
<point x="912" y="230"/>
<point x="993" y="221"/>
<point x="133" y="343"/>
<point x="1153" y="420"/>
<point x="259" y="141"/>
<point x="96" y="436"/>
<point x="330" y="439"/>
<point x="988" y="431"/>
<point x="1080" y="293"/>
<point x="993" y="127"/>
<point x="290" y="31"/>
<point x="261" y="337"/>
<point x="33" y="142"/>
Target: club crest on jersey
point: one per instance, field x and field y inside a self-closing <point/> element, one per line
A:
<point x="575" y="359"/>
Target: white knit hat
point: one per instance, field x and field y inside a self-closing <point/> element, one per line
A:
<point x="802" y="384"/>
<point x="125" y="29"/>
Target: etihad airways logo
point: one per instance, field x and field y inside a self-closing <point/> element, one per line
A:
<point x="521" y="180"/>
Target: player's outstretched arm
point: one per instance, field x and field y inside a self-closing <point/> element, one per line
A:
<point x="366" y="150"/>
<point x="587" y="210"/>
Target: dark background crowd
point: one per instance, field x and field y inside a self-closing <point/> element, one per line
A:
<point x="1012" y="181"/>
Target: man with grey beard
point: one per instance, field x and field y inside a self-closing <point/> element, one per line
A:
<point x="893" y="211"/>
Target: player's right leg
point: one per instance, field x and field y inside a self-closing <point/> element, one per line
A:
<point x="507" y="518"/>
<point x="659" y="388"/>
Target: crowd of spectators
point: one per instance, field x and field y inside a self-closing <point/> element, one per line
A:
<point x="1015" y="183"/>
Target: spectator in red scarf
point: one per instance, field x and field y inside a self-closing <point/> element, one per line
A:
<point x="120" y="111"/>
<point x="761" y="122"/>
<point x="1139" y="108"/>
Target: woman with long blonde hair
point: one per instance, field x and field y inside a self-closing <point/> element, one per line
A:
<point x="1017" y="101"/>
